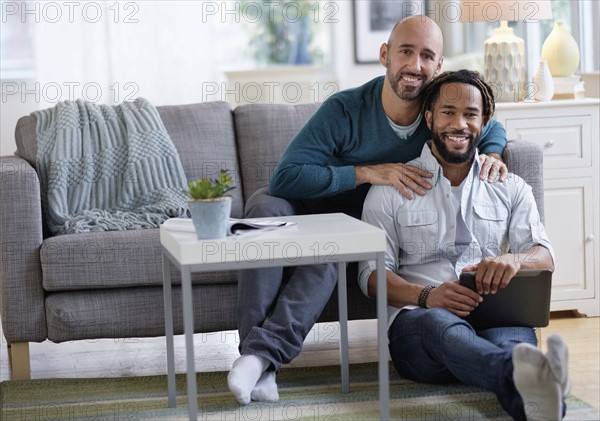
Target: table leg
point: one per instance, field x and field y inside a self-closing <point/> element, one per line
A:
<point x="382" y="322"/>
<point x="343" y="319"/>
<point x="188" y="327"/>
<point x="168" y="308"/>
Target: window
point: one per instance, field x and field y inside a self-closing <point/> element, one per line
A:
<point x="580" y="17"/>
<point x="16" y="45"/>
<point x="288" y="32"/>
<point x="588" y="35"/>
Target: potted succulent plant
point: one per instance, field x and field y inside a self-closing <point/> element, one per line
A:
<point x="210" y="206"/>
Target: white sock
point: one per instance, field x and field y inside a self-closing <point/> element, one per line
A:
<point x="266" y="388"/>
<point x="558" y="359"/>
<point x="243" y="376"/>
<point x="535" y="381"/>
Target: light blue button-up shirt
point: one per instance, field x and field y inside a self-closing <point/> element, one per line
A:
<point x="500" y="217"/>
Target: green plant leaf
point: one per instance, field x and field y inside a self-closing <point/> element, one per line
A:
<point x="206" y="188"/>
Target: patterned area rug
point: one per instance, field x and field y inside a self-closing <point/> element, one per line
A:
<point x="312" y="393"/>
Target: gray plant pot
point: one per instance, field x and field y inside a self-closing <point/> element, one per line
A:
<point x="211" y="217"/>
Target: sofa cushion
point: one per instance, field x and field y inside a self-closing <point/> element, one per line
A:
<point x="114" y="259"/>
<point x="263" y="133"/>
<point x="136" y="312"/>
<point x="203" y="135"/>
<point x="205" y="139"/>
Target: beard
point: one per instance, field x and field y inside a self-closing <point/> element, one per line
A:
<point x="406" y="93"/>
<point x="453" y="157"/>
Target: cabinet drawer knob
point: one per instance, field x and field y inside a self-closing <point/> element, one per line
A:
<point x="550" y="143"/>
<point x="590" y="238"/>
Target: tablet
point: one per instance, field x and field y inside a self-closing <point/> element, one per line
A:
<point x="524" y="302"/>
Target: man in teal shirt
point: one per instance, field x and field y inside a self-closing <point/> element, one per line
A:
<point x="357" y="138"/>
<point x="350" y="143"/>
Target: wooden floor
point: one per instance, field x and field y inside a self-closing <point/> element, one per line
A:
<point x="216" y="352"/>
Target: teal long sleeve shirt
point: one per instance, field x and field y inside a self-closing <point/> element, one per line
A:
<point x="349" y="129"/>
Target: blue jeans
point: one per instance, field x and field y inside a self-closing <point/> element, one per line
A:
<point x="276" y="310"/>
<point x="436" y="346"/>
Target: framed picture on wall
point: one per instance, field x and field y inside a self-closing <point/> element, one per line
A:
<point x="373" y="21"/>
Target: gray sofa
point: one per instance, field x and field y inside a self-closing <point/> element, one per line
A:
<point x="109" y="284"/>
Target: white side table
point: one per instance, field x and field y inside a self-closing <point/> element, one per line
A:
<point x="324" y="238"/>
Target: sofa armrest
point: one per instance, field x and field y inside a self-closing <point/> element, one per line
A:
<point x="21" y="234"/>
<point x="526" y="159"/>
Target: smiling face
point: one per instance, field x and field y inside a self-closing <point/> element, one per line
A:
<point x="412" y="56"/>
<point x="456" y="122"/>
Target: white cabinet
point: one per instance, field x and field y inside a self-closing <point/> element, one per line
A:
<point x="568" y="132"/>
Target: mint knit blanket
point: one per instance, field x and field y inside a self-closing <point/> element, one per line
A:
<point x="107" y="168"/>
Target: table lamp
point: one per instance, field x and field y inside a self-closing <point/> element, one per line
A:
<point x="504" y="53"/>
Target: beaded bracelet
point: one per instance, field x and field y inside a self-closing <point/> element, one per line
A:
<point x="424" y="294"/>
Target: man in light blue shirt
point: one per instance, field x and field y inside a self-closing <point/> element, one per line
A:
<point x="464" y="224"/>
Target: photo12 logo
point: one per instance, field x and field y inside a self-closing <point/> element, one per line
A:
<point x="70" y="11"/>
<point x="55" y="92"/>
<point x="268" y="92"/>
<point x="270" y="11"/>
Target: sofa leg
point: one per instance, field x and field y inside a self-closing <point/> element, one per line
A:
<point x="18" y="359"/>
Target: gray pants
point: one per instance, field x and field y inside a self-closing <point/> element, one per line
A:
<point x="278" y="307"/>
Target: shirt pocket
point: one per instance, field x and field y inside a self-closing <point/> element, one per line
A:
<point x="490" y="225"/>
<point x="419" y="229"/>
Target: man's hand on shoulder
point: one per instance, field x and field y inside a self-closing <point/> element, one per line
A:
<point x="407" y="179"/>
<point x="492" y="167"/>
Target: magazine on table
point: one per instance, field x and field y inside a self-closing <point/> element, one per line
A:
<point x="235" y="226"/>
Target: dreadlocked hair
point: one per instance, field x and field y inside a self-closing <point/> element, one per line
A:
<point x="431" y="92"/>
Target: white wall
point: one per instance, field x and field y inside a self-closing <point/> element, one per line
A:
<point x="344" y="71"/>
<point x="12" y="107"/>
<point x="348" y="73"/>
<point x="16" y="104"/>
<point x="591" y="84"/>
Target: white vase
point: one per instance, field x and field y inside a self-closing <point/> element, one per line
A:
<point x="561" y="51"/>
<point x="211" y="217"/>
<point x="543" y="86"/>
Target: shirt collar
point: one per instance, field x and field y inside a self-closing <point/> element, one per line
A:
<point x="429" y="163"/>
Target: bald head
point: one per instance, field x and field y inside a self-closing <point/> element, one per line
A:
<point x="420" y="26"/>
